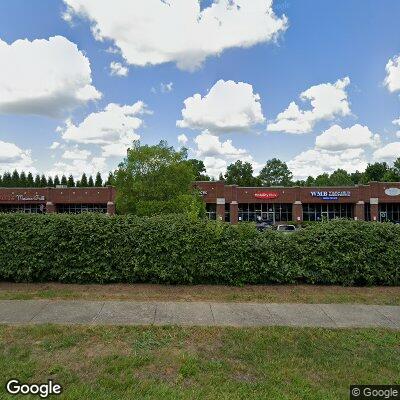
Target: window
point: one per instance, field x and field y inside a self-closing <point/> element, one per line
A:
<point x="22" y="208"/>
<point x="389" y="212"/>
<point x="273" y="212"/>
<point x="367" y="212"/>
<point x="80" y="208"/>
<point x="211" y="211"/>
<point x="227" y="212"/>
<point x="319" y="212"/>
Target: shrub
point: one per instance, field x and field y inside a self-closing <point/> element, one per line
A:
<point x="93" y="248"/>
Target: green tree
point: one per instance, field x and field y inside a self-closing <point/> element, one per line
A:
<point x="7" y="181"/>
<point x="375" y="172"/>
<point x="99" y="180"/>
<point x="84" y="181"/>
<point x="64" y="181"/>
<point x="29" y="180"/>
<point x="109" y="180"/>
<point x="37" y="181"/>
<point x="43" y="181"/>
<point x="199" y="170"/>
<point x="310" y="181"/>
<point x="90" y="181"/>
<point x="155" y="180"/>
<point x="322" y="180"/>
<point x="357" y="177"/>
<point x="23" y="179"/>
<point x="50" y="182"/>
<point x="241" y="174"/>
<point x="57" y="181"/>
<point x="340" y="177"/>
<point x="276" y="173"/>
<point x="70" y="181"/>
<point x="15" y="182"/>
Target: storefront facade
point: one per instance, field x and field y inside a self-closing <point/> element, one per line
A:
<point x="58" y="200"/>
<point x="377" y="201"/>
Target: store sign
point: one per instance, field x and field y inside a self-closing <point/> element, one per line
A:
<point x="266" y="195"/>
<point x="330" y="195"/>
<point x="21" y="197"/>
<point x="393" y="191"/>
<point x="203" y="193"/>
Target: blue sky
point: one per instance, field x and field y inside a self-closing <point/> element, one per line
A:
<point x="242" y="87"/>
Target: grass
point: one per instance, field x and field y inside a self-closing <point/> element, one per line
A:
<point x="143" y="292"/>
<point x="199" y="363"/>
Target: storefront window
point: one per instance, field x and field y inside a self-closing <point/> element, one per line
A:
<point x="389" y="212"/>
<point x="320" y="212"/>
<point x="211" y="211"/>
<point x="22" y="208"/>
<point x="273" y="212"/>
<point x="81" y="208"/>
<point x="367" y="212"/>
<point x="227" y="212"/>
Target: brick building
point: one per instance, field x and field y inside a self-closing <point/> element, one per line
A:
<point x="58" y="200"/>
<point x="374" y="202"/>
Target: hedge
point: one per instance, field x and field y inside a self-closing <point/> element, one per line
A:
<point x="93" y="248"/>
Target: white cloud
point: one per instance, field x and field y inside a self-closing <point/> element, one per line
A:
<point x="44" y="77"/>
<point x="12" y="157"/>
<point x="327" y="101"/>
<point x="392" y="80"/>
<point x="389" y="152"/>
<point x="182" y="139"/>
<point x="77" y="167"/>
<point x="118" y="69"/>
<point x="317" y="161"/>
<point x="228" y="107"/>
<point x="398" y="134"/>
<point x="338" y="138"/>
<point x="114" y="128"/>
<point x="396" y="122"/>
<point x="218" y="155"/>
<point x="55" y="145"/>
<point x="76" y="154"/>
<point x="166" y="87"/>
<point x="153" y="32"/>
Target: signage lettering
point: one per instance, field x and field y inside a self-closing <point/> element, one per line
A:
<point x="266" y="195"/>
<point x="330" y="195"/>
<point x="21" y="197"/>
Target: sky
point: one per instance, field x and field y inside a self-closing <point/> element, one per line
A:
<point x="313" y="83"/>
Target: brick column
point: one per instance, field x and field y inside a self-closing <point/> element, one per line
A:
<point x="50" y="208"/>
<point x="110" y="208"/>
<point x="234" y="212"/>
<point x="297" y="211"/>
<point x="220" y="209"/>
<point x="359" y="211"/>
<point x="374" y="212"/>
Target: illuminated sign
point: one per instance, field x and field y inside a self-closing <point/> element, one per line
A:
<point x="21" y="197"/>
<point x="393" y="191"/>
<point x="266" y="195"/>
<point x="330" y="195"/>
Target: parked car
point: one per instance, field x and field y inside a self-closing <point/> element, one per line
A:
<point x="263" y="224"/>
<point x="286" y="228"/>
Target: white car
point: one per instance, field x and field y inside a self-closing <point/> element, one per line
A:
<point x="286" y="228"/>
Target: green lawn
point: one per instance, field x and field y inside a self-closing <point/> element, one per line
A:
<point x="199" y="363"/>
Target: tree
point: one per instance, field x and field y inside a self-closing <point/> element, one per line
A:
<point x="199" y="170"/>
<point x="340" y="177"/>
<point x="375" y="172"/>
<point x="70" y="181"/>
<point x="84" y="181"/>
<point x="64" y="181"/>
<point x="310" y="181"/>
<point x="7" y="181"/>
<point x="322" y="180"/>
<point x="43" y="181"/>
<point x="357" y="177"/>
<point x="155" y="180"/>
<point x="37" y="181"/>
<point x="15" y="179"/>
<point x="23" y="179"/>
<point x="90" y="181"/>
<point x="29" y="180"/>
<point x="275" y="173"/>
<point x="99" y="180"/>
<point x="109" y="180"/>
<point x="50" y="182"/>
<point x="57" y="181"/>
<point x="241" y="174"/>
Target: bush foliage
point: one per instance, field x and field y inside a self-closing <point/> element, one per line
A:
<point x="172" y="249"/>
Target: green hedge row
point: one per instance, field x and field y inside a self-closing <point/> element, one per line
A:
<point x="171" y="249"/>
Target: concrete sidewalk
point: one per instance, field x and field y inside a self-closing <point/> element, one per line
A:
<point x="198" y="314"/>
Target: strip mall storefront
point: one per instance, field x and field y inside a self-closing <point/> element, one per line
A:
<point x="58" y="200"/>
<point x="374" y="202"/>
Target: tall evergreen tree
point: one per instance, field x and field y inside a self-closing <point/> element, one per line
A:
<point x="15" y="182"/>
<point x="84" y="181"/>
<point x="90" y="181"/>
<point x="109" y="180"/>
<point x="37" y="181"/>
<point x="23" y="180"/>
<point x="29" y="180"/>
<point x="64" y="181"/>
<point x="71" y="182"/>
<point x="7" y="179"/>
<point x="50" y="182"/>
<point x="57" y="181"/>
<point x="99" y="180"/>
<point x="43" y="181"/>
